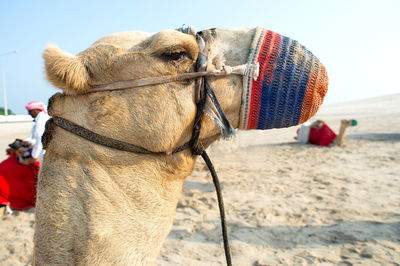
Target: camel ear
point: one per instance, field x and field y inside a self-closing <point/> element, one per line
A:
<point x="65" y="71"/>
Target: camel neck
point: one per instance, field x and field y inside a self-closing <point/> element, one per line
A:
<point x="124" y="205"/>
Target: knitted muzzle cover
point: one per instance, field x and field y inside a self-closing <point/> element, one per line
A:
<point x="291" y="85"/>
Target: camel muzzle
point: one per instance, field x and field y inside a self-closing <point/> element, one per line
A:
<point x="290" y="87"/>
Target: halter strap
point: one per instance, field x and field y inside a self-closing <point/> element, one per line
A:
<point x="243" y="70"/>
<point x="106" y="141"/>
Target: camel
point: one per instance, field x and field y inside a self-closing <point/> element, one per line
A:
<point x="98" y="205"/>
<point x="341" y="137"/>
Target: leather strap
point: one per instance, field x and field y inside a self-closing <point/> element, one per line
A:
<point x="106" y="141"/>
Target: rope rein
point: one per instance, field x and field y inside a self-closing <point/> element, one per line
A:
<point x="214" y="175"/>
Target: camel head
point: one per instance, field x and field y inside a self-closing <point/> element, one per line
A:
<point x="289" y="89"/>
<point x="99" y="204"/>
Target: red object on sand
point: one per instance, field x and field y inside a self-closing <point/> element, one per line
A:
<point x="322" y="136"/>
<point x="18" y="183"/>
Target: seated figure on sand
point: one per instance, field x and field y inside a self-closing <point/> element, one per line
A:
<point x="319" y="133"/>
<point x="18" y="177"/>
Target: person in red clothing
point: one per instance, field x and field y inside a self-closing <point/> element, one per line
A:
<point x="319" y="133"/>
<point x="18" y="177"/>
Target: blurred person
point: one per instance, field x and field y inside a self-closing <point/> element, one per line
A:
<point x="18" y="178"/>
<point x="38" y="112"/>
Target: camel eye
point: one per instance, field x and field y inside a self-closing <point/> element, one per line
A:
<point x="174" y="56"/>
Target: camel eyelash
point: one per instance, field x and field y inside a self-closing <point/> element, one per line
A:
<point x="174" y="56"/>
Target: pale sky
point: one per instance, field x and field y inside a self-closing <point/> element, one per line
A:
<point x="357" y="40"/>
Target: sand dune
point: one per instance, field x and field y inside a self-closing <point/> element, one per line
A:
<point x="286" y="203"/>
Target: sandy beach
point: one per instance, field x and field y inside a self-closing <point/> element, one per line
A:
<point x="286" y="203"/>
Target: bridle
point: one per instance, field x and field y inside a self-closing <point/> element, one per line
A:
<point x="203" y="92"/>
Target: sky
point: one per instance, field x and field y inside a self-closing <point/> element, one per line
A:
<point x="358" y="41"/>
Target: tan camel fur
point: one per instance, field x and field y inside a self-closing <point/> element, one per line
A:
<point x="101" y="206"/>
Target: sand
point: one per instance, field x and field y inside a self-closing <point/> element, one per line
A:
<point x="286" y="203"/>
